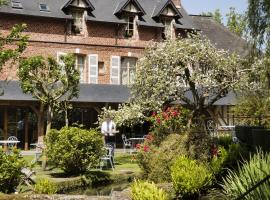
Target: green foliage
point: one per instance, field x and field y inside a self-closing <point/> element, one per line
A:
<point x="236" y="22"/>
<point x="3" y="2"/>
<point x="11" y="55"/>
<point x="189" y="177"/>
<point x="172" y="120"/>
<point x="258" y="20"/>
<point x="45" y="186"/>
<point x="216" y="15"/>
<point x="217" y="163"/>
<point x="142" y="190"/>
<point x="73" y="149"/>
<point x="250" y="173"/>
<point x="10" y="170"/>
<point x="155" y="162"/>
<point x="49" y="81"/>
<point x="253" y="109"/>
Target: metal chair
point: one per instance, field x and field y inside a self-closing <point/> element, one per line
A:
<point x="126" y="142"/>
<point x="12" y="138"/>
<point x="107" y="157"/>
<point x="38" y="152"/>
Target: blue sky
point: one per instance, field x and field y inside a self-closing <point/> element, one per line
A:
<point x="199" y="6"/>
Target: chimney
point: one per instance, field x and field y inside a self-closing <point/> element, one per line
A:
<point x="177" y="3"/>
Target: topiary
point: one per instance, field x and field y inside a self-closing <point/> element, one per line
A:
<point x="74" y="149"/>
<point x="142" y="190"/>
<point x="10" y="170"/>
<point x="189" y="177"/>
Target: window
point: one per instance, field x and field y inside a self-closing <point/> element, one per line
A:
<point x="101" y="68"/>
<point x="77" y="25"/>
<point x="80" y="65"/>
<point x="44" y="7"/>
<point x="93" y="68"/>
<point x="60" y="60"/>
<point x="167" y="30"/>
<point x="130" y="27"/>
<point x="128" y="70"/>
<point x="16" y="4"/>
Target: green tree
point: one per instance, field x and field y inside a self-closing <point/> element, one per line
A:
<point x="49" y="82"/>
<point x="9" y="54"/>
<point x="216" y="15"/>
<point x="259" y="22"/>
<point x="3" y="2"/>
<point x="236" y="22"/>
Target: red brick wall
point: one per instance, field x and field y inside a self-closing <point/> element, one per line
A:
<point x="47" y="37"/>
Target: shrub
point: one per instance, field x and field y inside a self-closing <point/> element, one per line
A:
<point x="218" y="162"/>
<point x="156" y="161"/>
<point x="141" y="190"/>
<point x="250" y="173"/>
<point x="172" y="120"/>
<point x="45" y="186"/>
<point x="189" y="177"/>
<point x="73" y="149"/>
<point x="10" y="170"/>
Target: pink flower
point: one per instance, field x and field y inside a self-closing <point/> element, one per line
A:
<point x="158" y="120"/>
<point x="154" y="114"/>
<point x="146" y="148"/>
<point x="138" y="146"/>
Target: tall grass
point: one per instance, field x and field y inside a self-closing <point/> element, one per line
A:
<point x="250" y="173"/>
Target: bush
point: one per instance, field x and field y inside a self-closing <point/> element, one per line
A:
<point x="170" y="121"/>
<point x="250" y="173"/>
<point x="189" y="177"/>
<point x="141" y="190"/>
<point x="218" y="163"/>
<point x="73" y="149"/>
<point x="157" y="161"/>
<point x="10" y="170"/>
<point x="45" y="186"/>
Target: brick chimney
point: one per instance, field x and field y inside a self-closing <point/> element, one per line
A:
<point x="177" y="3"/>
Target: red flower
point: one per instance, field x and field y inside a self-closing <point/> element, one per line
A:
<point x="138" y="146"/>
<point x="154" y="113"/>
<point x="174" y="113"/>
<point x="158" y="120"/>
<point x="146" y="148"/>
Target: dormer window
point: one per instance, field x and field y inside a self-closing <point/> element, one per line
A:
<point x="16" y="5"/>
<point x="44" y="7"/>
<point x="168" y="28"/>
<point x="129" y="32"/>
<point x="77" y="25"/>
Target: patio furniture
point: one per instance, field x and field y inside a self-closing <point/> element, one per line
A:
<point x="108" y="157"/>
<point x="39" y="147"/>
<point x="136" y="140"/>
<point x="28" y="176"/>
<point x="231" y="128"/>
<point x="11" y="139"/>
<point x="126" y="142"/>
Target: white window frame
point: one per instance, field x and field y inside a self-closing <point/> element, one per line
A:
<point x="82" y="75"/>
<point x="118" y="68"/>
<point x="89" y="69"/>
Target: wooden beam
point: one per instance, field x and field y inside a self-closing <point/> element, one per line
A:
<point x="26" y="133"/>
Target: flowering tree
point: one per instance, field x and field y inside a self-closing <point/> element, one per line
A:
<point x="190" y="70"/>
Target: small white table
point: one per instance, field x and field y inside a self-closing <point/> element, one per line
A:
<point x="6" y="143"/>
<point x="136" y="141"/>
<point x="9" y="141"/>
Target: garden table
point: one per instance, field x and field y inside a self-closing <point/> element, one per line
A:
<point x="7" y="143"/>
<point x="135" y="141"/>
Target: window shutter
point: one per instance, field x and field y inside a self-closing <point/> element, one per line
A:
<point x="115" y="70"/>
<point x="93" y="68"/>
<point x="60" y="61"/>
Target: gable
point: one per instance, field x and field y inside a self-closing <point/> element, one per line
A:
<point x="166" y="8"/>
<point x="129" y="6"/>
<point x="81" y="4"/>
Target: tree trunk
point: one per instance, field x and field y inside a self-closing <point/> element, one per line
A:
<point x="49" y="119"/>
<point x="66" y="117"/>
<point x="40" y="124"/>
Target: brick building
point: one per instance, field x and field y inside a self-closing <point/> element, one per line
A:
<point x="106" y="36"/>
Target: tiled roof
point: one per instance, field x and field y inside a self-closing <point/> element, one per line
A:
<point x="220" y="36"/>
<point x="102" y="10"/>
